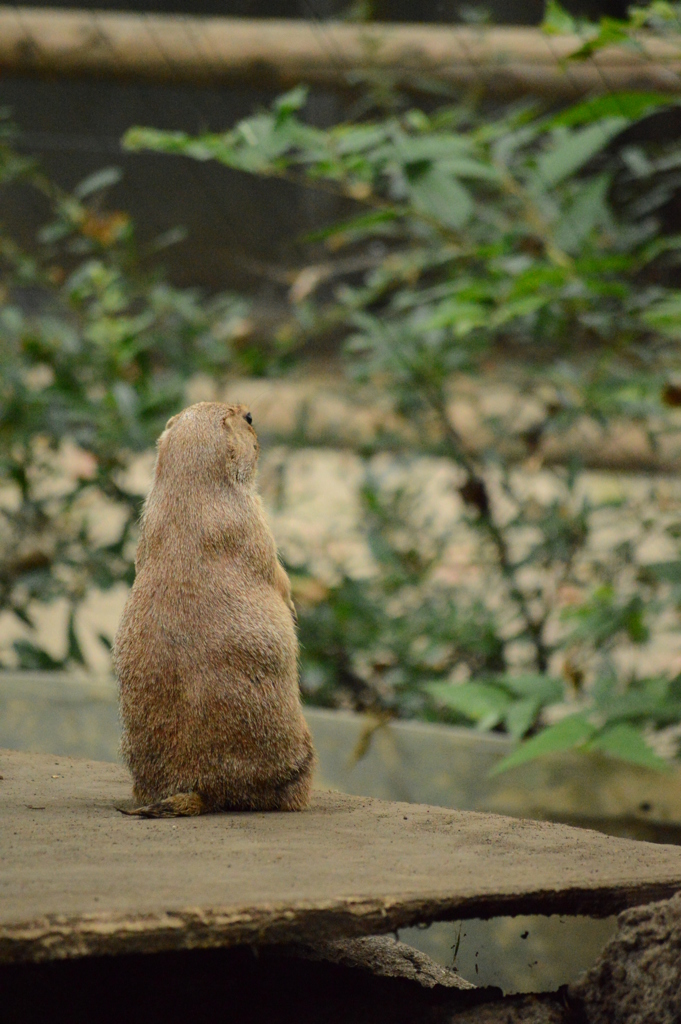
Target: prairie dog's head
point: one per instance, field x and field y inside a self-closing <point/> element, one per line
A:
<point x="209" y="441"/>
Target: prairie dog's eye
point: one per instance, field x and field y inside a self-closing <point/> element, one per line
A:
<point x="248" y="417"/>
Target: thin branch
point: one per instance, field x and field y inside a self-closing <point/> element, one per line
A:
<point x="533" y="627"/>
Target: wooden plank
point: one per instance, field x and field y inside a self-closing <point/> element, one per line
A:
<point x="78" y="878"/>
<point x="281" y="53"/>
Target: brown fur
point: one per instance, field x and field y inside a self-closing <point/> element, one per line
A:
<point x="206" y="652"/>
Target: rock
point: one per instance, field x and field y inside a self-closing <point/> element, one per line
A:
<point x="347" y="867"/>
<point x="637" y="979"/>
<point x="384" y="956"/>
<point x="531" y="1009"/>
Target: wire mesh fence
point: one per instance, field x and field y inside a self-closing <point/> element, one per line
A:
<point x="70" y="73"/>
<point x="224" y="54"/>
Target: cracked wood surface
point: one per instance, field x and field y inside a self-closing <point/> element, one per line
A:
<point x="78" y="878"/>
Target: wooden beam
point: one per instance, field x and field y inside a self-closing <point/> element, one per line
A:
<point x="278" y="54"/>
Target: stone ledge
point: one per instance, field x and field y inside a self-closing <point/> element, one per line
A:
<point x="80" y="879"/>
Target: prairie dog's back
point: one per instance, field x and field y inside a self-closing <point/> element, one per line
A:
<point x="206" y="652"/>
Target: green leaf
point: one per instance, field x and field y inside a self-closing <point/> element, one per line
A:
<point x="569" y="150"/>
<point x="665" y="315"/>
<point x="261" y="141"/>
<point x="164" y="142"/>
<point x="438" y="195"/>
<point x="573" y="731"/>
<point x="557" y="21"/>
<point x="451" y="153"/>
<point x="368" y="224"/>
<point x="668" y="243"/>
<point x="601" y="618"/>
<point x="358" y="138"/>
<point x="522" y="715"/>
<point x="611" y="32"/>
<point x="635" y="624"/>
<point x="649" y="701"/>
<point x="587" y="211"/>
<point x="632" y="105"/>
<point x="462" y="317"/>
<point x="75" y="652"/>
<point x="524" y="306"/>
<point x="33" y="657"/>
<point x="465" y="167"/>
<point x="530" y="684"/>
<point x="416" y="149"/>
<point x="291" y="101"/>
<point x="102" y="179"/>
<point x="481" y="702"/>
<point x="626" y="742"/>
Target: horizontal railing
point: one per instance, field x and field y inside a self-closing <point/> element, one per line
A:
<point x="278" y="53"/>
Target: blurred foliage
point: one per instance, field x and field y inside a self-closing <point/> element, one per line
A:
<point x="512" y="241"/>
<point x="372" y="644"/>
<point x="657" y="18"/>
<point x="95" y="353"/>
<point x="519" y="238"/>
<point x="407" y="642"/>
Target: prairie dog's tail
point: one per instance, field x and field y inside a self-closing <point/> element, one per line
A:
<point x="180" y="805"/>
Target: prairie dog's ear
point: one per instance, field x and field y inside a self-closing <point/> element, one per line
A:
<point x="234" y="414"/>
<point x="228" y="420"/>
<point x="171" y="423"/>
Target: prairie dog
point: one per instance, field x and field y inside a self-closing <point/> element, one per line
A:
<point x="206" y="653"/>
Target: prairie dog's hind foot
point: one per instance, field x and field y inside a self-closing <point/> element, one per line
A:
<point x="180" y="805"/>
